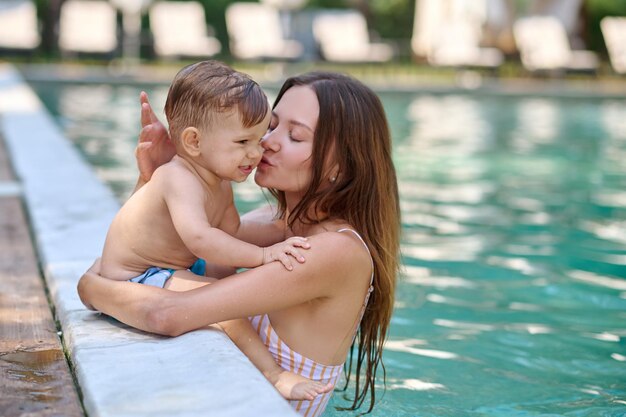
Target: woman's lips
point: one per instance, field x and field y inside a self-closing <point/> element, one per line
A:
<point x="265" y="162"/>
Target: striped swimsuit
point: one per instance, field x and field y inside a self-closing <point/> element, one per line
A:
<point x="292" y="361"/>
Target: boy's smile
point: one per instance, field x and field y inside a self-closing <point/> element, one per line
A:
<point x="246" y="169"/>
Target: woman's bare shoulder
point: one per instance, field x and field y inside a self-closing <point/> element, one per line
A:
<point x="339" y="253"/>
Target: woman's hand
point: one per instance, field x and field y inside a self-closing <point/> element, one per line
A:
<point x="155" y="147"/>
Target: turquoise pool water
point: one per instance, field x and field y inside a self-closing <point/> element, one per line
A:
<point x="512" y="300"/>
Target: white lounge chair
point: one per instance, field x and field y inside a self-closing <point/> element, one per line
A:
<point x="450" y="34"/>
<point x="457" y="44"/>
<point x="18" y="25"/>
<point x="180" y="29"/>
<point x="343" y="36"/>
<point x="255" y="32"/>
<point x="88" y="27"/>
<point x="614" y="32"/>
<point x="543" y="45"/>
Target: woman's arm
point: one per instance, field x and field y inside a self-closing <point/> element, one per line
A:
<point x="261" y="290"/>
<point x="261" y="227"/>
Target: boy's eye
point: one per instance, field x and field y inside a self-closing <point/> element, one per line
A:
<point x="242" y="142"/>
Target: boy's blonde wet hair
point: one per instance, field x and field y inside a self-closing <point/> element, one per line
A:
<point x="201" y="91"/>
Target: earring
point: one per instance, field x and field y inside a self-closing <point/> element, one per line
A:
<point x="333" y="179"/>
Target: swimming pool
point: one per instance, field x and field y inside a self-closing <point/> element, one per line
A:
<point x="512" y="301"/>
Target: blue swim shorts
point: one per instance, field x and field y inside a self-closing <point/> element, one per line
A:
<point x="157" y="277"/>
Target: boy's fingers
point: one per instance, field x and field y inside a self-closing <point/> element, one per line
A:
<point x="296" y="254"/>
<point x="284" y="259"/>
<point x="300" y="242"/>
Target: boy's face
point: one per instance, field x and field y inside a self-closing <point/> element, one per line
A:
<point x="230" y="150"/>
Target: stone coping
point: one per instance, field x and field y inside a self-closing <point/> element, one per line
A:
<point x="120" y="371"/>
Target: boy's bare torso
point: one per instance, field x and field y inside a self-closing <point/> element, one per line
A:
<point x="142" y="233"/>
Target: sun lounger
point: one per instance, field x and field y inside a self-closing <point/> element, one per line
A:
<point x="343" y="36"/>
<point x="255" y="32"/>
<point x="543" y="45"/>
<point x="448" y="34"/>
<point x="457" y="44"/>
<point x="88" y="27"/>
<point x="614" y="32"/>
<point x="18" y="25"/>
<point x="180" y="29"/>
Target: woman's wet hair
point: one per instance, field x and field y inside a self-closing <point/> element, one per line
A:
<point x="352" y="134"/>
<point x="200" y="91"/>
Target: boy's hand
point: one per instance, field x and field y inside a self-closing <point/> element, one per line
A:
<point x="281" y="251"/>
<point x="155" y="146"/>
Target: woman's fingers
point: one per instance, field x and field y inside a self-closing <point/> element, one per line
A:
<point x="147" y="114"/>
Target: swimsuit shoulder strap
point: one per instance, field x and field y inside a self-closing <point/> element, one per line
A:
<point x="369" y="290"/>
<point x="345" y="229"/>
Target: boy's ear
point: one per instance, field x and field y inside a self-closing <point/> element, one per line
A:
<point x="190" y="141"/>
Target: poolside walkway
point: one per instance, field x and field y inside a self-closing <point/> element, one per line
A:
<point x="34" y="375"/>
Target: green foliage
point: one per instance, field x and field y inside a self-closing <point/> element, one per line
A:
<point x="596" y="10"/>
<point x="215" y="15"/>
<point x="327" y="4"/>
<point x="392" y="19"/>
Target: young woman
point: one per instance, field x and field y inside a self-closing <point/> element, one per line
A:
<point x="327" y="160"/>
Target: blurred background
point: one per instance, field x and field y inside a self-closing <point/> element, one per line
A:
<point x="508" y="120"/>
<point x="504" y="37"/>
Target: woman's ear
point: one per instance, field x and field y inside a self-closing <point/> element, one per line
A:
<point x="190" y="141"/>
<point x="334" y="173"/>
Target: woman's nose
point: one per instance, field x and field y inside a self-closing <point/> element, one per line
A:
<point x="269" y="142"/>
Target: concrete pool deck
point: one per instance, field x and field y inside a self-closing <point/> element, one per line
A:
<point x="119" y="371"/>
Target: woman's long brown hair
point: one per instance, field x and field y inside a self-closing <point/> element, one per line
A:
<point x="352" y="132"/>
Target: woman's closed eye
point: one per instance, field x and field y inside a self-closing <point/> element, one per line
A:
<point x="293" y="138"/>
